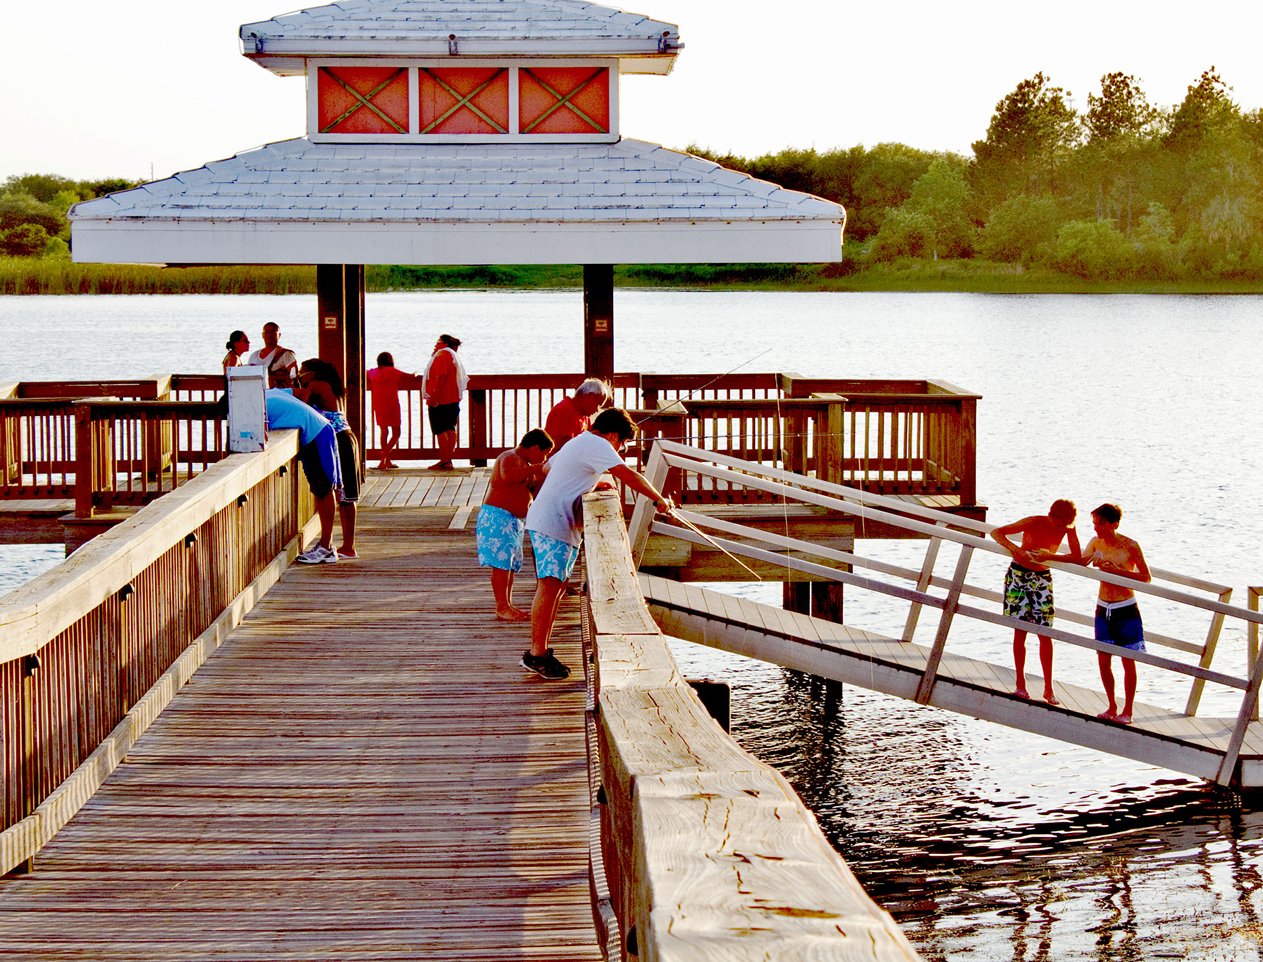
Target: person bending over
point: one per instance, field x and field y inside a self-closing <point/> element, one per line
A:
<point x="556" y="525"/>
<point x="1028" y="584"/>
<point x="515" y="477"/>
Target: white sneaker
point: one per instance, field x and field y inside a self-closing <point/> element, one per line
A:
<point x="317" y="554"/>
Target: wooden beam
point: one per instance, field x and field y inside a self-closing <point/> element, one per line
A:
<point x="340" y="333"/>
<point x="598" y="320"/>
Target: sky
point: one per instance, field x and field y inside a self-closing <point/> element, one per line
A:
<point x="136" y="88"/>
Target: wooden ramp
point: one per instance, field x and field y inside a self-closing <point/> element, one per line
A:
<point x="1193" y="745"/>
<point x="363" y="771"/>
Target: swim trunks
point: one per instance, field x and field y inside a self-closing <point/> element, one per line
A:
<point x="1028" y="595"/>
<point x="1118" y="622"/>
<point x="499" y="538"/>
<point x="553" y="558"/>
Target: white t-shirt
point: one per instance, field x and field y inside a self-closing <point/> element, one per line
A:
<point x="572" y="472"/>
<point x="281" y="359"/>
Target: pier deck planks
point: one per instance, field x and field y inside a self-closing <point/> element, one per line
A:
<point x="362" y="772"/>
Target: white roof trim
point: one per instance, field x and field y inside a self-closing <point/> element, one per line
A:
<point x="486" y="203"/>
<point x="486" y="28"/>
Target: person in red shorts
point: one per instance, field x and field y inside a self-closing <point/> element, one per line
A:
<point x="571" y="416"/>
<point x="445" y="381"/>
<point x="384" y="384"/>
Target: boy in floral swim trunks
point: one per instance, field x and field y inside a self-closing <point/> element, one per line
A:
<point x="515" y="477"/>
<point x="1028" y="589"/>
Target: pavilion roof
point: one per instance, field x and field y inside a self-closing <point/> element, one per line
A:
<point x="481" y="203"/>
<point x="483" y="28"/>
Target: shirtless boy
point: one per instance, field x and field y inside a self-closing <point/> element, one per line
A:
<point x="515" y="477"/>
<point x="1028" y="586"/>
<point x="1117" y="615"/>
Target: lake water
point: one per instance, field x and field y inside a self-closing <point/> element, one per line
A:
<point x="986" y="844"/>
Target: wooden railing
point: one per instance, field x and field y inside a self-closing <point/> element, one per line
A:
<point x="699" y="851"/>
<point x="127" y="441"/>
<point x="86" y="649"/>
<point x="1192" y="594"/>
<point x="140" y="438"/>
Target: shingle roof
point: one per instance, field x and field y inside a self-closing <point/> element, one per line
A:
<point x="630" y="180"/>
<point x="482" y="27"/>
<point x="487" y="203"/>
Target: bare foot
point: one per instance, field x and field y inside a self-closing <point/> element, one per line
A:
<point x="1022" y="693"/>
<point x="513" y="614"/>
<point x="1109" y="715"/>
<point x="441" y="466"/>
<point x="349" y="553"/>
<point x="1123" y="719"/>
<point x="1050" y="698"/>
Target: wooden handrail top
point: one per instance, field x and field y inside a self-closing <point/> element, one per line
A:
<point x="38" y="611"/>
<point x="61" y="389"/>
<point x="707" y="840"/>
<point x="895" y="512"/>
<point x="103" y="408"/>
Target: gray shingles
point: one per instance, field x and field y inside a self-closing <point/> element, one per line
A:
<point x="629" y="181"/>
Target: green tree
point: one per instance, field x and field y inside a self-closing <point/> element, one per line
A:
<point x="1021" y="230"/>
<point x="904" y="233"/>
<point x="942" y="195"/>
<point x="1121" y="126"/>
<point x="23" y="240"/>
<point x="1092" y="249"/>
<point x="1032" y="133"/>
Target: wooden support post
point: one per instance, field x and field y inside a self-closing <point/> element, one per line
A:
<point x="1208" y="654"/>
<point x="598" y="320"/>
<point x="923" y="583"/>
<point x="340" y="334"/>
<point x="952" y="602"/>
<point x="796" y="597"/>
<point x="478" y="414"/>
<point x="31" y="793"/>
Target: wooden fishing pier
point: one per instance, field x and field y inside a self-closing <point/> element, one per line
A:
<point x="359" y="767"/>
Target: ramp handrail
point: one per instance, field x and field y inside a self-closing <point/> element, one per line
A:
<point x="940" y="528"/>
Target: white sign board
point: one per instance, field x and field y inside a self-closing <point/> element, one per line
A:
<point x="247" y="413"/>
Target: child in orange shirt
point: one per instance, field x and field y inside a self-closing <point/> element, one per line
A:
<point x="384" y="382"/>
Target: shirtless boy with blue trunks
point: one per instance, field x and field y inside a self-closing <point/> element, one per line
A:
<point x="1117" y="615"/>
<point x="515" y="477"/>
<point x="1028" y="586"/>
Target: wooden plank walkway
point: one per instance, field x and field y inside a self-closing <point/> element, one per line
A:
<point x="362" y="772"/>
<point x="1158" y="735"/>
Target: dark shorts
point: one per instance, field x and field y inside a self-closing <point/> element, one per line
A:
<point x="319" y="460"/>
<point x="1121" y="626"/>
<point x="444" y="417"/>
<point x="349" y="460"/>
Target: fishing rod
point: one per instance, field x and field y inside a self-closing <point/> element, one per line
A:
<point x="703" y="387"/>
<point x="671" y="513"/>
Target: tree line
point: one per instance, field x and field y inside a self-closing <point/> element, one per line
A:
<point x="33" y="209"/>
<point x="1124" y="189"/>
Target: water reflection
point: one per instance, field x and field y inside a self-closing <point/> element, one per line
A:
<point x="987" y="844"/>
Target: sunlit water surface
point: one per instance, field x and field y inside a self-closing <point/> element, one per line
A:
<point x="985" y="843"/>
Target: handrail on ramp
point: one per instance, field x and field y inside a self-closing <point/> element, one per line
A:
<point x="952" y="595"/>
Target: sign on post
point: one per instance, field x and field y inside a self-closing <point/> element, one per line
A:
<point x="247" y="414"/>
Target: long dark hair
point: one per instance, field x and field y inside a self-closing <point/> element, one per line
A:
<point x="325" y="372"/>
<point x="450" y="341"/>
